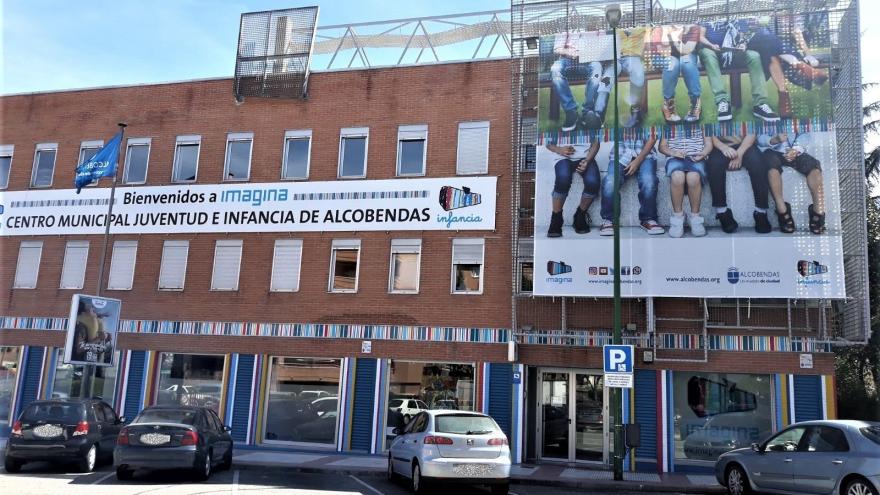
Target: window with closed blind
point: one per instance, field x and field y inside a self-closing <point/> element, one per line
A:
<point x="344" y="261"/>
<point x="227" y="265"/>
<point x="73" y="272"/>
<point x="473" y="148"/>
<point x="122" y="265"/>
<point x="286" y="265"/>
<point x="405" y="265"/>
<point x="467" y="266"/>
<point x="172" y="271"/>
<point x="28" y="267"/>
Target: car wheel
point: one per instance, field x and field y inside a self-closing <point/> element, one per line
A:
<point x="87" y="463"/>
<point x="857" y="486"/>
<point x="12" y="465"/>
<point x="203" y="469"/>
<point x="501" y="489"/>
<point x="736" y="481"/>
<point x="124" y="474"/>
<point x="418" y="484"/>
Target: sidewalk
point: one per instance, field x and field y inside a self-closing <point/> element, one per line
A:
<point x="545" y="474"/>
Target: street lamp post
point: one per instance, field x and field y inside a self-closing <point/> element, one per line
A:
<point x="613" y="15"/>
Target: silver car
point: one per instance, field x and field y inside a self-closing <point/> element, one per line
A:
<point x="827" y="457"/>
<point x="451" y="446"/>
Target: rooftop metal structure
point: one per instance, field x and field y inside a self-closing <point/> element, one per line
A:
<point x="809" y="324"/>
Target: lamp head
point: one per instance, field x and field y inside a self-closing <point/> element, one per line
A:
<point x="613" y="15"/>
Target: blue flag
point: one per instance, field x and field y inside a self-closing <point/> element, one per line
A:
<point x="103" y="164"/>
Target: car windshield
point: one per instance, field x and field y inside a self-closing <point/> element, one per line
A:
<point x="872" y="433"/>
<point x="183" y="416"/>
<point x="396" y="402"/>
<point x="52" y="412"/>
<point x="464" y="424"/>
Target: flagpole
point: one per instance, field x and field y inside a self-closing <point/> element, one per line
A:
<point x="89" y="371"/>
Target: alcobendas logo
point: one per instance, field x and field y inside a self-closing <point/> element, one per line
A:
<point x="733" y="275"/>
<point x="453" y="198"/>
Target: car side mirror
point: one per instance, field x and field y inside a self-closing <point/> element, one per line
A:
<point x="757" y="448"/>
<point x="227" y="429"/>
<point x="396" y="431"/>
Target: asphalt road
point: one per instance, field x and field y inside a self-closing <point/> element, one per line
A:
<point x="40" y="478"/>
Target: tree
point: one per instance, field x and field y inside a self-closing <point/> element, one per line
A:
<point x="858" y="368"/>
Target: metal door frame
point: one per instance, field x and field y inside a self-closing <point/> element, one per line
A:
<point x="572" y="414"/>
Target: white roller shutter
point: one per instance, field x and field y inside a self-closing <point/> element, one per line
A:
<point x="473" y="148"/>
<point x="122" y="265"/>
<point x="286" y="265"/>
<point x="172" y="272"/>
<point x="29" y="254"/>
<point x="73" y="272"/>
<point x="227" y="264"/>
<point x="467" y="251"/>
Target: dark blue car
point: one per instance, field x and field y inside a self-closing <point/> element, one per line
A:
<point x="173" y="437"/>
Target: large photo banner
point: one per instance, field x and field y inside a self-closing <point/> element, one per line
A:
<point x="455" y="203"/>
<point x="91" y="332"/>
<point x="727" y="159"/>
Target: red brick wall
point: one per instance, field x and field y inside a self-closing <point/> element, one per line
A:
<point x="440" y="96"/>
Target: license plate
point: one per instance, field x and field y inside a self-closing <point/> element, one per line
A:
<point x="471" y="469"/>
<point x="155" y="438"/>
<point x="48" y="431"/>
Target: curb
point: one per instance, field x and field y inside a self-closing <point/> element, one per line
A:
<point x="617" y="486"/>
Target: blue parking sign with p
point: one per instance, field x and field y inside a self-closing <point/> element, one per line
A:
<point x="618" y="358"/>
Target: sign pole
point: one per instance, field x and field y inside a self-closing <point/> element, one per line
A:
<point x="616" y="396"/>
<point x="89" y="371"/>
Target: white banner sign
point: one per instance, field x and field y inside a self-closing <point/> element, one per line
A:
<point x="455" y="203"/>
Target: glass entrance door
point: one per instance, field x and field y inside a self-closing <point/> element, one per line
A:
<point x="573" y="410"/>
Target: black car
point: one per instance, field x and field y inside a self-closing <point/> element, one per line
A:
<point x="63" y="430"/>
<point x="173" y="437"/>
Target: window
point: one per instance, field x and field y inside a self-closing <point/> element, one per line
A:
<point x="44" y="165"/>
<point x="10" y="358"/>
<point x="526" y="276"/>
<point x="467" y="266"/>
<point x="344" y="260"/>
<point x="186" y="159"/>
<point x="303" y="400"/>
<point x="412" y="143"/>
<point x="719" y="412"/>
<point x="6" y="152"/>
<point x="76" y="257"/>
<point x="286" y="265"/>
<point x="172" y="271"/>
<point x="825" y="439"/>
<point x="190" y="380"/>
<point x="88" y="149"/>
<point x="353" y="152"/>
<point x="405" y="264"/>
<point x="297" y="150"/>
<point x="29" y="254"/>
<point x="68" y="380"/>
<point x="238" y="156"/>
<point x="473" y="148"/>
<point x="227" y="263"/>
<point x="787" y="441"/>
<point x="137" y="160"/>
<point x="122" y="265"/>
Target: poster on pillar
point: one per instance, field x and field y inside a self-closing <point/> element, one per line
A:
<point x="727" y="162"/>
<point x="91" y="330"/>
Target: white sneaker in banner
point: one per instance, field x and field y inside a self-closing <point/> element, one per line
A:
<point x="607" y="228"/>
<point x="652" y="227"/>
<point x="696" y="222"/>
<point x="676" y="225"/>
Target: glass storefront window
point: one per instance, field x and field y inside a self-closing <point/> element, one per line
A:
<point x="417" y="386"/>
<point x="68" y="380"/>
<point x="191" y="380"/>
<point x="303" y="400"/>
<point x="718" y="412"/>
<point x="9" y="358"/>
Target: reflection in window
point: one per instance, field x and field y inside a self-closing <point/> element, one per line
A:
<point x="68" y="381"/>
<point x="353" y="159"/>
<point x="9" y="357"/>
<point x="44" y="168"/>
<point x="238" y="159"/>
<point x="186" y="162"/>
<point x="190" y="380"/>
<point x="296" y="158"/>
<point x="718" y="412"/>
<point x="303" y="402"/>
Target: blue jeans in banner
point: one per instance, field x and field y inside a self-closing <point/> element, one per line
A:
<point x="635" y="69"/>
<point x="565" y="170"/>
<point x="686" y="65"/>
<point x="565" y="67"/>
<point x="647" y="177"/>
<point x="685" y="165"/>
